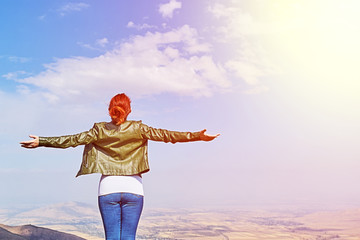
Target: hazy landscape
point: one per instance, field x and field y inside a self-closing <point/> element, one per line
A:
<point x="241" y="223"/>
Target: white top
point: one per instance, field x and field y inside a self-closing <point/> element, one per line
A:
<point x="115" y="184"/>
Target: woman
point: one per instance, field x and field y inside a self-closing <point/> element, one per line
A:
<point x="118" y="150"/>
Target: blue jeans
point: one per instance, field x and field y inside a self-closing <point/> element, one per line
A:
<point x="120" y="213"/>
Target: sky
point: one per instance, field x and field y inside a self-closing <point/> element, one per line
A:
<point x="277" y="79"/>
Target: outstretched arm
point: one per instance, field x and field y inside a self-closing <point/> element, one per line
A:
<point x="32" y="143"/>
<point x="63" y="141"/>
<point x="163" y="135"/>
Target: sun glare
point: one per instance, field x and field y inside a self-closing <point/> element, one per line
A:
<point x="317" y="40"/>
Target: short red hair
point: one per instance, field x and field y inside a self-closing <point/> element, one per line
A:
<point x="119" y="108"/>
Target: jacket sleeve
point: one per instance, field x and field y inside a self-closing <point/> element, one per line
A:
<point x="70" y="140"/>
<point x="163" y="135"/>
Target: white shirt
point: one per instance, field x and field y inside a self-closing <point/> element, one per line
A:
<point x="115" y="184"/>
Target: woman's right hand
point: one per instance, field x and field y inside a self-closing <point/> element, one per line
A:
<point x="206" y="137"/>
<point x="32" y="143"/>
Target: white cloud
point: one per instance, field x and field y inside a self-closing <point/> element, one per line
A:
<point x="23" y="89"/>
<point x="42" y="17"/>
<point x="17" y="59"/>
<point x="14" y="75"/>
<point x="167" y="9"/>
<point x="249" y="61"/>
<point x="72" y="7"/>
<point x="99" y="44"/>
<point x="148" y="64"/>
<point x="102" y="42"/>
<point x="239" y="23"/>
<point x="172" y="53"/>
<point x="251" y="64"/>
<point x="220" y="10"/>
<point x="87" y="45"/>
<point x="140" y="26"/>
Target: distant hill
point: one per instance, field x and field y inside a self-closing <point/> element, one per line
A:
<point x="5" y="234"/>
<point x="68" y="212"/>
<point x="75" y="218"/>
<point x="30" y="232"/>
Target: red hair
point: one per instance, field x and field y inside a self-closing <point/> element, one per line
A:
<point x="119" y="108"/>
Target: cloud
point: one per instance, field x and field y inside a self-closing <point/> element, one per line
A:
<point x="102" y="42"/>
<point x="42" y="17"/>
<point x="154" y="63"/>
<point x="167" y="9"/>
<point x="250" y="73"/>
<point x="240" y="23"/>
<point x="17" y="59"/>
<point x="99" y="44"/>
<point x="14" y="75"/>
<point x="140" y="26"/>
<point x="251" y="64"/>
<point x="23" y="89"/>
<point x="250" y="60"/>
<point x="220" y="10"/>
<point x="72" y="7"/>
<point x="87" y="45"/>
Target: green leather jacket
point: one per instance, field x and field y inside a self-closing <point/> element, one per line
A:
<point x="117" y="150"/>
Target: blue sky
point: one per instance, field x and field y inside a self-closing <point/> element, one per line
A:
<point x="281" y="88"/>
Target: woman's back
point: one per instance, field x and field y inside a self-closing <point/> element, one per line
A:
<point x="118" y="150"/>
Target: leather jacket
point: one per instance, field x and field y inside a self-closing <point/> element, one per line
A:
<point x="117" y="150"/>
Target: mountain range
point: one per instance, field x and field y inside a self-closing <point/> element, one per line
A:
<point x="30" y="232"/>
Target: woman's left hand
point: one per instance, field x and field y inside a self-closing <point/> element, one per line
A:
<point x="32" y="143"/>
<point x="206" y="137"/>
